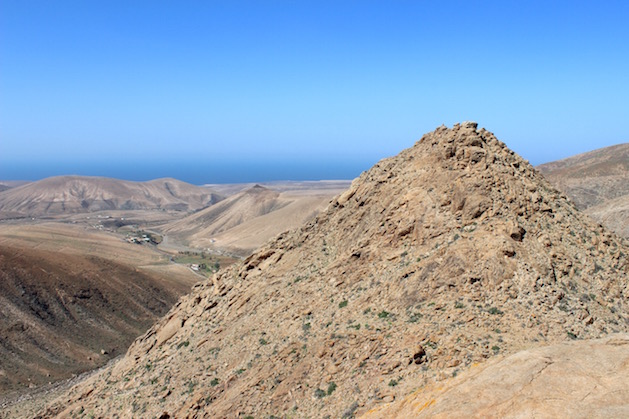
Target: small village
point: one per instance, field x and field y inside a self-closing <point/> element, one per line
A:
<point x="143" y="237"/>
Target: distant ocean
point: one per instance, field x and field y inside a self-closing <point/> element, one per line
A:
<point x="197" y="173"/>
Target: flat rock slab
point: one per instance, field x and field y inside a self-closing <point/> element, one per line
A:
<point x="580" y="379"/>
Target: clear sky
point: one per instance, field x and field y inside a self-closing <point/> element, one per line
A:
<point x="260" y="90"/>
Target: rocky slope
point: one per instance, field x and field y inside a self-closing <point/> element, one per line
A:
<point x="598" y="183"/>
<point x="452" y="252"/>
<point x="76" y="194"/>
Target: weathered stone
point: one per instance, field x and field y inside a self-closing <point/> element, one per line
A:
<point x="419" y="357"/>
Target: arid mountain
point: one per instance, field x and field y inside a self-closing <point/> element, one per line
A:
<point x="451" y="253"/>
<point x="75" y="194"/>
<point x="248" y="219"/>
<point x="593" y="177"/>
<point x="598" y="183"/>
<point x="69" y="303"/>
<point x="243" y="206"/>
<point x="579" y="379"/>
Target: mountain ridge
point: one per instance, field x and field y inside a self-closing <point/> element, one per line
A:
<point x="443" y="256"/>
<point x="77" y="194"/>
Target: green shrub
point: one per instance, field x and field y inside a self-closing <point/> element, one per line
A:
<point x="319" y="394"/>
<point x="331" y="387"/>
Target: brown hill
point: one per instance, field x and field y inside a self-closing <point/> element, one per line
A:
<point x="448" y="254"/>
<point x="66" y="296"/>
<point x="597" y="182"/>
<point x="75" y="194"/>
<point x="236" y="209"/>
<point x="246" y="220"/>
<point x="580" y="379"/>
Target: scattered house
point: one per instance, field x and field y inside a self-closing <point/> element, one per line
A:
<point x="194" y="267"/>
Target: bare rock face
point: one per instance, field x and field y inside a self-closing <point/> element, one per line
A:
<point x="451" y="253"/>
<point x="581" y="379"/>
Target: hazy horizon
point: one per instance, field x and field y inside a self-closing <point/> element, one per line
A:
<point x="194" y="172"/>
<point x="197" y="172"/>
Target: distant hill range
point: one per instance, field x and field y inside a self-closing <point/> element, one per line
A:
<point x="76" y="194"/>
<point x="247" y="219"/>
<point x="597" y="182"/>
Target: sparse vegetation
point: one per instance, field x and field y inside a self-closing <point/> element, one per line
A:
<point x="495" y="311"/>
<point x="415" y="317"/>
<point x="383" y="314"/>
<point x="319" y="394"/>
<point x="331" y="388"/>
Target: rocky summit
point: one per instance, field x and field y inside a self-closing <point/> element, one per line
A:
<point x="451" y="253"/>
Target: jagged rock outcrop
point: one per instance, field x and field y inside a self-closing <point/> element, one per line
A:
<point x="448" y="254"/>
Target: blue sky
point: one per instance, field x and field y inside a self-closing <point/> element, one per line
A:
<point x="264" y="89"/>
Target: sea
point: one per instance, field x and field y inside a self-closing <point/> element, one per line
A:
<point x="194" y="171"/>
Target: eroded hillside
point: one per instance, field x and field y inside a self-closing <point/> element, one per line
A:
<point x="243" y="222"/>
<point x="78" y="194"/>
<point x="598" y="183"/>
<point x="71" y="299"/>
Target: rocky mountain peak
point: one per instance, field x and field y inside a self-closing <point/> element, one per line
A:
<point x="452" y="252"/>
